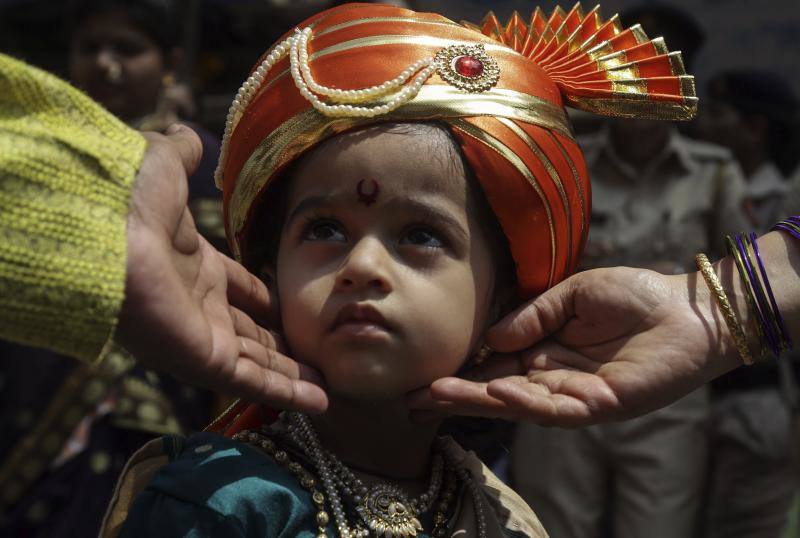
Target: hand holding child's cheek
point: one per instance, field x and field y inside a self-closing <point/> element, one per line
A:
<point x="598" y="347"/>
<point x="191" y="311"/>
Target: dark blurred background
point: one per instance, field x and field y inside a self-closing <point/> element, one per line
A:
<point x="223" y="38"/>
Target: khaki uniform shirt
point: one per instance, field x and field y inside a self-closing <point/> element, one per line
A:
<point x="683" y="203"/>
<point x="767" y="191"/>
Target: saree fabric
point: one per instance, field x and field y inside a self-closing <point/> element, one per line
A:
<point x="501" y="91"/>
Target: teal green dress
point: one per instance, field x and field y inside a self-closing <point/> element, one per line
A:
<point x="214" y="486"/>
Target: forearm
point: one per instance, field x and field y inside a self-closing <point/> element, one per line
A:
<point x="66" y="171"/>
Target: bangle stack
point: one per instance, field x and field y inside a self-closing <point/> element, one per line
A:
<point x="772" y="333"/>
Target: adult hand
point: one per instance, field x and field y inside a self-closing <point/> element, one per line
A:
<point x="622" y="342"/>
<point x="189" y="310"/>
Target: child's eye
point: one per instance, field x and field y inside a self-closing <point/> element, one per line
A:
<point x="324" y="230"/>
<point x="424" y="237"/>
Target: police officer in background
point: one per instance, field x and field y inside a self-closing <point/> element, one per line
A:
<point x="750" y="489"/>
<point x="658" y="198"/>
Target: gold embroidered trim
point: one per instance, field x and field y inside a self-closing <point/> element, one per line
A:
<point x="634" y="106"/>
<point x="420" y="41"/>
<point x="368" y="20"/>
<point x="575" y="176"/>
<point x="551" y="171"/>
<point x="504" y="151"/>
<point x="433" y="102"/>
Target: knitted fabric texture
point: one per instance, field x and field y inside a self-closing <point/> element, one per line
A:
<point x="67" y="168"/>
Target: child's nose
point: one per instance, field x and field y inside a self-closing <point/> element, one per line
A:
<point x="366" y="267"/>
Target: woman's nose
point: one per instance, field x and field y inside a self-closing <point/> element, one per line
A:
<point x="367" y="267"/>
<point x="109" y="64"/>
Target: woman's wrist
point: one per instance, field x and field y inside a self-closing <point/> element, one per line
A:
<point x="718" y="353"/>
<point x="781" y="258"/>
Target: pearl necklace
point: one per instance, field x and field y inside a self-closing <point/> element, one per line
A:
<point x="391" y="94"/>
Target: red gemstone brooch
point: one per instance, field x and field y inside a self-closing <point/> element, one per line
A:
<point x="467" y="67"/>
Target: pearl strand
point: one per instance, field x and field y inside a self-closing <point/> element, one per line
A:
<point x="301" y="73"/>
<point x="400" y="89"/>
<point x="352" y="96"/>
<point x="244" y="97"/>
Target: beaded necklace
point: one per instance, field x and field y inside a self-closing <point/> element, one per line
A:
<point x="383" y="509"/>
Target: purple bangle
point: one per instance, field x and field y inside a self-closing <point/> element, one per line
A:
<point x="761" y="304"/>
<point x="786" y="338"/>
<point x="789" y="225"/>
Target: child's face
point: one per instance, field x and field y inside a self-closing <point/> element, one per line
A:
<point x="384" y="276"/>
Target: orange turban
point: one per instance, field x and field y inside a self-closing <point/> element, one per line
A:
<point x="501" y="90"/>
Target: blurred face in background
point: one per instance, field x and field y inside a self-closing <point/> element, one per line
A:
<point x="721" y="123"/>
<point x="118" y="64"/>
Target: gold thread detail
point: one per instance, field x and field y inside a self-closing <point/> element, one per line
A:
<point x="551" y="171"/>
<point x="630" y="106"/>
<point x="639" y="34"/>
<point x="612" y="61"/>
<point x="660" y="46"/>
<point x="505" y="152"/>
<point x="370" y="20"/>
<point x="421" y="41"/>
<point x="676" y="63"/>
<point x="687" y="86"/>
<point x="632" y="87"/>
<point x="300" y="132"/>
<point x="575" y="176"/>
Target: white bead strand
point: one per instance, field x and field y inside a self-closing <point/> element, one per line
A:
<point x="353" y="96"/>
<point x="399" y="90"/>
<point x="244" y="97"/>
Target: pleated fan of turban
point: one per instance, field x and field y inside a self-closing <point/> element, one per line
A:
<point x="500" y="89"/>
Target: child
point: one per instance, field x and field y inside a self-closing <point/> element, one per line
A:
<point x="395" y="220"/>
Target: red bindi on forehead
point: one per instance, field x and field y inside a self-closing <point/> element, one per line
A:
<point x="367" y="191"/>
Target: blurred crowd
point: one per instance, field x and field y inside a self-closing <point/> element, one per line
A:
<point x="718" y="463"/>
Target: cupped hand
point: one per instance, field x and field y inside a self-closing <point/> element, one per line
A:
<point x="606" y="344"/>
<point x="191" y="311"/>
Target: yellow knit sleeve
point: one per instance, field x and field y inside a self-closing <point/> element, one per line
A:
<point x="67" y="167"/>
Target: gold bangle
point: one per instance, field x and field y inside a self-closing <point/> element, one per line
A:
<point x="714" y="285"/>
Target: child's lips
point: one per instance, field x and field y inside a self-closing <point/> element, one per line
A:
<point x="359" y="319"/>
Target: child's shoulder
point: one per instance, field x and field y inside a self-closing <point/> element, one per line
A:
<point x="218" y="471"/>
<point x="178" y="486"/>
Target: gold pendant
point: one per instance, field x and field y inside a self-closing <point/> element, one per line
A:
<point x="387" y="512"/>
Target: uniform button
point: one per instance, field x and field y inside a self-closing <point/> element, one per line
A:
<point x="202" y="449"/>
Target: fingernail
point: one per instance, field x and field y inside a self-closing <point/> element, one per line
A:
<point x="174" y="129"/>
